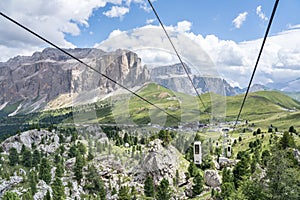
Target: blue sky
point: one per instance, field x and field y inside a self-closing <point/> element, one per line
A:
<point x="207" y="17"/>
<point x="229" y="32"/>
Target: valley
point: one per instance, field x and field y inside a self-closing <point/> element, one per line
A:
<point x="78" y="136"/>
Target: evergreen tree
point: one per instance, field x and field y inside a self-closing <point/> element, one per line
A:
<point x="45" y="170"/>
<point x="100" y="187"/>
<point x="32" y="182"/>
<point x="13" y="156"/>
<point x="23" y="148"/>
<point x="198" y="185"/>
<point x="73" y="151"/>
<point x="58" y="189"/>
<point x="126" y="138"/>
<point x="81" y="148"/>
<point x="78" y="167"/>
<point x="27" y="196"/>
<point x="241" y="170"/>
<point x="253" y="190"/>
<point x="27" y="158"/>
<point x="10" y="196"/>
<point x="96" y="184"/>
<point x="227" y="176"/>
<point x="90" y="154"/>
<point x="287" y="140"/>
<point x="124" y="193"/>
<point x="265" y="157"/>
<point x="163" y="190"/>
<point x="192" y="169"/>
<point x="47" y="196"/>
<point x="36" y="158"/>
<point x="283" y="177"/>
<point x="149" y="187"/>
<point x="227" y="189"/>
<point x="292" y="129"/>
<point x="59" y="171"/>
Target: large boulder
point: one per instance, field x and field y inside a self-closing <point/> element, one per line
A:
<point x="161" y="162"/>
<point x="212" y="178"/>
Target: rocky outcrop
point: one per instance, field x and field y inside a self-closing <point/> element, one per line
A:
<point x="296" y="153"/>
<point x="212" y="178"/>
<point x="30" y="82"/>
<point x="174" y="77"/>
<point x="160" y="162"/>
<point x="7" y="184"/>
<point x="44" y="140"/>
<point x="42" y="188"/>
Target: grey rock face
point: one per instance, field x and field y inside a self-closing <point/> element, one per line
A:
<point x="174" y="77"/>
<point x="161" y="162"/>
<point x="47" y="74"/>
<point x="212" y="178"/>
<point x="42" y="190"/>
<point x="6" y="185"/>
<point x="32" y="137"/>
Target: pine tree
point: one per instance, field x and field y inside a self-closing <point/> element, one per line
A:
<point x="10" y="196"/>
<point x="13" y="156"/>
<point x="78" y="167"/>
<point x="99" y="186"/>
<point x="45" y="171"/>
<point x="287" y="140"/>
<point x="36" y="158"/>
<point x="192" y="169"/>
<point x="149" y="187"/>
<point x="227" y="189"/>
<point x="81" y="148"/>
<point x="58" y="190"/>
<point x="27" y="196"/>
<point x="198" y="185"/>
<point x="124" y="193"/>
<point x="163" y="190"/>
<point x="241" y="170"/>
<point x="47" y="196"/>
<point x="126" y="138"/>
<point x="27" y="158"/>
<point x="32" y="182"/>
<point x="59" y="171"/>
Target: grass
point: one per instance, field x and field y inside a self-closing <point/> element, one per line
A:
<point x="261" y="108"/>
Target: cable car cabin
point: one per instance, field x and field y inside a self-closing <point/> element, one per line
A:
<point x="228" y="152"/>
<point x="197" y="153"/>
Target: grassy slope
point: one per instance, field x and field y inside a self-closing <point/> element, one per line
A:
<point x="262" y="108"/>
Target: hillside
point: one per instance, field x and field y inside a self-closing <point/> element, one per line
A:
<point x="262" y="108"/>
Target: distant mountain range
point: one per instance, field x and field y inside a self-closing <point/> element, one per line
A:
<point x="50" y="79"/>
<point x="29" y="83"/>
<point x="174" y="77"/>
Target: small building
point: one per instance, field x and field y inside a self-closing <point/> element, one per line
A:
<point x="197" y="153"/>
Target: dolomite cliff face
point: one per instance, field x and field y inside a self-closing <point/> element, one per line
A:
<point x="32" y="81"/>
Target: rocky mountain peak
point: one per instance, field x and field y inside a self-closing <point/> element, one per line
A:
<point x="46" y="75"/>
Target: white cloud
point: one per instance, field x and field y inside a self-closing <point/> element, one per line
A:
<point x="116" y="11"/>
<point x="150" y="21"/>
<point x="240" y="19"/>
<point x="293" y="26"/>
<point x="52" y="19"/>
<point x="261" y="14"/>
<point x="210" y="55"/>
<point x="184" y="26"/>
